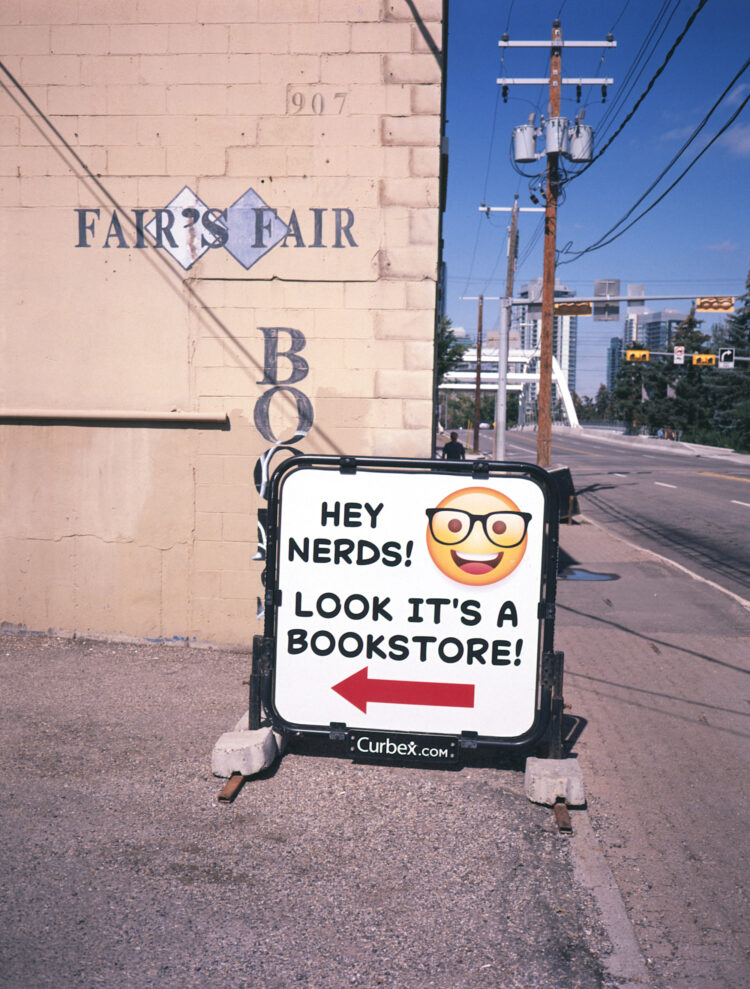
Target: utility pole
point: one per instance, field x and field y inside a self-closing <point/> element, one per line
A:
<point x="574" y="143"/>
<point x="478" y="390"/>
<point x="544" y="417"/>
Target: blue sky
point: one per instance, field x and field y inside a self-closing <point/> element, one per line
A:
<point x="696" y="240"/>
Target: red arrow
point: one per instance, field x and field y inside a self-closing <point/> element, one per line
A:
<point x="360" y="691"/>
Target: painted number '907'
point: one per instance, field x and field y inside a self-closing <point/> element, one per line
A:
<point x="316" y="102"/>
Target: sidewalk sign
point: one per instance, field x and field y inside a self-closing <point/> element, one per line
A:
<point x="410" y="603"/>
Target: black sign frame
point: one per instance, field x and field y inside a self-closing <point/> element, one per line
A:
<point x="472" y="471"/>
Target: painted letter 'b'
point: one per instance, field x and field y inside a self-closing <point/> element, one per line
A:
<point x="271" y="355"/>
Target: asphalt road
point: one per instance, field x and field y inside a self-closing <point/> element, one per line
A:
<point x="692" y="507"/>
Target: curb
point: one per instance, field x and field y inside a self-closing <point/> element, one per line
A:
<point x="743" y="602"/>
<point x="590" y="870"/>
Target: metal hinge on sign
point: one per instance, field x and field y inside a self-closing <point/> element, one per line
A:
<point x="348" y="465"/>
<point x="337" y="731"/>
<point x="546" y="611"/>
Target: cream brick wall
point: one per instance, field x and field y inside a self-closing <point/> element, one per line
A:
<point x="330" y="111"/>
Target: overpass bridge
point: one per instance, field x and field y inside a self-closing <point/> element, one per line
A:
<point x="522" y="366"/>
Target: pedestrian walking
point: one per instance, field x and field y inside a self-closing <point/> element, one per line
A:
<point x="454" y="450"/>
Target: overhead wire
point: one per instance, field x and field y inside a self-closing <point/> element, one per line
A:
<point x="604" y="240"/>
<point x="503" y="246"/>
<point x="487" y="173"/>
<point x="644" y="94"/>
<point x="638" y="66"/>
<point x="619" y="16"/>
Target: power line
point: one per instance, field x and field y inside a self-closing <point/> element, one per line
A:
<point x="684" y="147"/>
<point x="492" y="143"/>
<point x="617" y="19"/>
<point x="649" y="87"/>
<point x="603" y="243"/>
<point x="638" y="66"/>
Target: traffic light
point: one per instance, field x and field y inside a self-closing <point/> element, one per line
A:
<point x="637" y="355"/>
<point x="704" y="359"/>
<point x="715" y="303"/>
<point x="572" y="309"/>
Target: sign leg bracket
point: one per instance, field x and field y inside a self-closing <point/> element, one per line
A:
<point x="555" y="736"/>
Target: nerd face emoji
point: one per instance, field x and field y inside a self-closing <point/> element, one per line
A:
<point x="477" y="536"/>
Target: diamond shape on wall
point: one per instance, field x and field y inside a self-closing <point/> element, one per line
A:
<point x="191" y="239"/>
<point x="254" y="229"/>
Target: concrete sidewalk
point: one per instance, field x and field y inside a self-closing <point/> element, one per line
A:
<point x="654" y="443"/>
<point x="657" y="665"/>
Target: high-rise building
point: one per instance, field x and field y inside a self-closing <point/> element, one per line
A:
<point x="656" y="330"/>
<point x="527" y="323"/>
<point x="614" y="359"/>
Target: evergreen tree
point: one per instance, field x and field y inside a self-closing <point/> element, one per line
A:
<point x="736" y="331"/>
<point x="603" y="403"/>
<point x="627" y="395"/>
<point x="702" y="404"/>
<point x="730" y="402"/>
<point x="450" y="351"/>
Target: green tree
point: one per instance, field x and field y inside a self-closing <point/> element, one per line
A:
<point x="600" y="408"/>
<point x="450" y="351"/>
<point x="603" y="403"/>
<point x="688" y="335"/>
<point x="628" y="394"/>
<point x="702" y="404"/>
<point x="735" y="332"/>
<point x="730" y="401"/>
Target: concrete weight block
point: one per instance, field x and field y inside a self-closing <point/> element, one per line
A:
<point x="245" y="752"/>
<point x="550" y="780"/>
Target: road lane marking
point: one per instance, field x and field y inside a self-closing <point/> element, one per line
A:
<point x="727" y="477"/>
<point x="745" y="503"/>
<point x="662" y="484"/>
<point x="572" y="449"/>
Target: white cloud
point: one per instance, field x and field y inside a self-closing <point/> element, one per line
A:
<point x="737" y="140"/>
<point x="737" y="93"/>
<point x="678" y="133"/>
<point x="724" y="246"/>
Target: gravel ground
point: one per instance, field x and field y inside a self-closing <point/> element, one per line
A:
<point x="121" y="869"/>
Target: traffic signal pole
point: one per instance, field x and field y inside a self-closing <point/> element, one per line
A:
<point x="544" y="413"/>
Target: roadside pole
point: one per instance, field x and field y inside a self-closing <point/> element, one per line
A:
<point x="501" y="402"/>
<point x="502" y="380"/>
<point x="478" y="390"/>
<point x="544" y="419"/>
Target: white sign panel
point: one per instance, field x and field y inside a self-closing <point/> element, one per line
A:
<point x="408" y="601"/>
